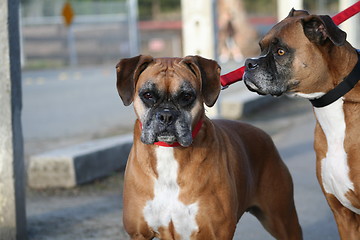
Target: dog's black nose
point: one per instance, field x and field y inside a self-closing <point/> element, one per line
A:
<point x="165" y="116"/>
<point x="251" y="64"/>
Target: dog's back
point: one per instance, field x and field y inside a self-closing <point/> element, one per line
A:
<point x="249" y="139"/>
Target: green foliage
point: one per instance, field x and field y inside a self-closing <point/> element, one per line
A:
<point x="148" y="9"/>
<point x="261" y="7"/>
<point x="269" y="7"/>
<point x="145" y="9"/>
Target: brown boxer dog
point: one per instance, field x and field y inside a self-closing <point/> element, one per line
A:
<point x="308" y="55"/>
<point x="188" y="177"/>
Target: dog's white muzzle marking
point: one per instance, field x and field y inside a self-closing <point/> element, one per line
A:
<point x="166" y="207"/>
<point x="308" y="95"/>
<point x="334" y="167"/>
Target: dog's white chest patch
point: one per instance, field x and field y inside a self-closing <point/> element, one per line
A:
<point x="334" y="167"/>
<point x="166" y="207"/>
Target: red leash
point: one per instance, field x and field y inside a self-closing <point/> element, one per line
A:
<point x="346" y="14"/>
<point x="236" y="75"/>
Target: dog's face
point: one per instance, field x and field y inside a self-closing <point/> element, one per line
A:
<point x="292" y="56"/>
<point x="168" y="94"/>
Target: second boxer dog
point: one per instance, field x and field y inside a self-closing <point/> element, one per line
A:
<point x="188" y="177"/>
<point x="308" y="55"/>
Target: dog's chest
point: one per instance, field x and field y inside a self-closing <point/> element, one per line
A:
<point x="166" y="208"/>
<point x="334" y="167"/>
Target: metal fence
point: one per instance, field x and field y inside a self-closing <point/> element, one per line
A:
<point x="101" y="32"/>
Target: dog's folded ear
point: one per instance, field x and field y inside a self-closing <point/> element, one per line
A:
<point x="320" y="28"/>
<point x="296" y="13"/>
<point x="209" y="72"/>
<point x="128" y="71"/>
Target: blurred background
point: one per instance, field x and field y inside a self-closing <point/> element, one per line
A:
<point x="105" y="31"/>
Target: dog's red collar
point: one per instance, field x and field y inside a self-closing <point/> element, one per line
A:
<point x="176" y="144"/>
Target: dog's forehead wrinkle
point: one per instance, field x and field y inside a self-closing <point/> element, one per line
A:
<point x="167" y="63"/>
<point x="280" y="29"/>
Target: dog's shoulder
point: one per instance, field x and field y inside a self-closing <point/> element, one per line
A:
<point x="241" y="129"/>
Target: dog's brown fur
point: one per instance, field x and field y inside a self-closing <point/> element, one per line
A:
<point x="229" y="168"/>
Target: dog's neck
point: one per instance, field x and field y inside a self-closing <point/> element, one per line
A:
<point x="347" y="84"/>
<point x="341" y="69"/>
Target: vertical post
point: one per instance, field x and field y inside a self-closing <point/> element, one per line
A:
<point x="284" y="7"/>
<point x="199" y="33"/>
<point x="198" y="28"/>
<point x="22" y="51"/>
<point x="321" y="7"/>
<point x="133" y="27"/>
<point x="351" y="26"/>
<point x="12" y="192"/>
<point x="71" y="46"/>
<point x="68" y="16"/>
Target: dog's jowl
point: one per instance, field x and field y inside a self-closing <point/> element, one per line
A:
<point x="188" y="177"/>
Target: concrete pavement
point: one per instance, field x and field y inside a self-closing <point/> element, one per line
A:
<point x="67" y="103"/>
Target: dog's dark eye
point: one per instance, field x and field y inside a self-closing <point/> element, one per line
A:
<point x="148" y="95"/>
<point x="280" y="52"/>
<point x="187" y="97"/>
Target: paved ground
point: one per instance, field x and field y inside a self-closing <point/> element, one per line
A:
<point x="93" y="211"/>
<point x="67" y="106"/>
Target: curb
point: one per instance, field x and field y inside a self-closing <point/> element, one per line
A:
<point x="78" y="164"/>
